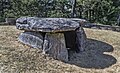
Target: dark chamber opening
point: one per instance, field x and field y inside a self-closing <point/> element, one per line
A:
<point x="70" y="40"/>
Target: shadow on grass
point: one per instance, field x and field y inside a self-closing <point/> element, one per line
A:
<point x="93" y="56"/>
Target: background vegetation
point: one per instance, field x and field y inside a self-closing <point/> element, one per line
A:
<point x="99" y="11"/>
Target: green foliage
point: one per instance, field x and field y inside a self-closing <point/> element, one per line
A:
<point x="100" y="11"/>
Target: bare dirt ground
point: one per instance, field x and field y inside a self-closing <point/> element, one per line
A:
<point x="101" y="55"/>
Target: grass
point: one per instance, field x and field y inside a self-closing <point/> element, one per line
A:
<point x="101" y="55"/>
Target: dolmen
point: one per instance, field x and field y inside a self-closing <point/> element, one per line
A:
<point x="55" y="36"/>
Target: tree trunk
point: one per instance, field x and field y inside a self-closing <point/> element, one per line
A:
<point x="73" y="2"/>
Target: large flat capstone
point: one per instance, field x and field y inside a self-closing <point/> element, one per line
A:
<point x="46" y="24"/>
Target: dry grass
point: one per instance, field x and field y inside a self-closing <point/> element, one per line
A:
<point x="101" y="55"/>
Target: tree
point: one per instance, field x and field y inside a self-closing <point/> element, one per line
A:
<point x="98" y="11"/>
<point x="73" y="2"/>
<point x="4" y="4"/>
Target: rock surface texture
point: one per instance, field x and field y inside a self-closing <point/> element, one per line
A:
<point x="53" y="35"/>
<point x="33" y="39"/>
<point x="46" y="24"/>
<point x="54" y="45"/>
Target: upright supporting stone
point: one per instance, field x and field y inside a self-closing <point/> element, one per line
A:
<point x="54" y="45"/>
<point x="80" y="39"/>
<point x="33" y="39"/>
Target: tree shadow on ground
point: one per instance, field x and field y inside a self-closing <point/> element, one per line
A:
<point x="93" y="56"/>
